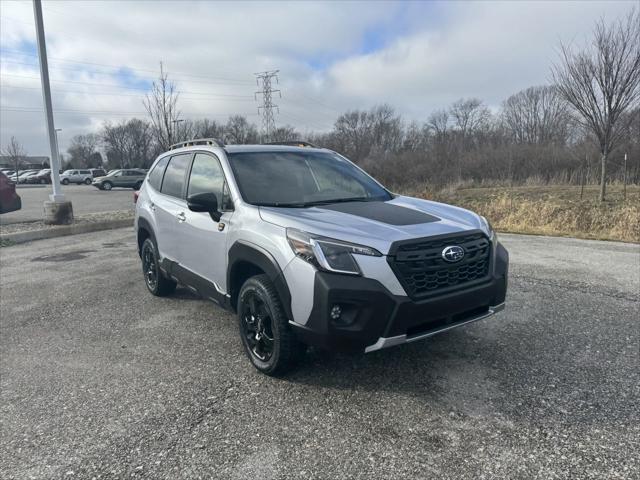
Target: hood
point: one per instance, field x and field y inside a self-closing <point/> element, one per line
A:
<point x="376" y="224"/>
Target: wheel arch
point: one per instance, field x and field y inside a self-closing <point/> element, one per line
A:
<point x="145" y="230"/>
<point x="247" y="260"/>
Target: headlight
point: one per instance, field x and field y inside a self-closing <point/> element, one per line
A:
<point x="326" y="253"/>
<point x="488" y="228"/>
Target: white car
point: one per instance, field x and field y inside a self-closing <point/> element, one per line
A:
<point x="307" y="248"/>
<point x="76" y="176"/>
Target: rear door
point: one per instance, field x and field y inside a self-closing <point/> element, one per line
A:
<point x="169" y="206"/>
<point x="204" y="241"/>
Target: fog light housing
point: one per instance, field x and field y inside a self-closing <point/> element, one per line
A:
<point x="336" y="312"/>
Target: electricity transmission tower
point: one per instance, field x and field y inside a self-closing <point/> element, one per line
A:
<point x="266" y="109"/>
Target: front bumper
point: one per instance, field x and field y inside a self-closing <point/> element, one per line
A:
<point x="373" y="318"/>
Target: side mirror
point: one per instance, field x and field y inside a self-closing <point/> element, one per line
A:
<point x="204" y="202"/>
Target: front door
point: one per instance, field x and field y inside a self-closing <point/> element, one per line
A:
<point x="204" y="241"/>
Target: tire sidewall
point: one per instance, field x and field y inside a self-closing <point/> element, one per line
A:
<point x="254" y="286"/>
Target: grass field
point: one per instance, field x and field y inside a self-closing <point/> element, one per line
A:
<point x="552" y="209"/>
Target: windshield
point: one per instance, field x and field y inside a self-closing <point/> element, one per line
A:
<point x="299" y="179"/>
<point x="113" y="173"/>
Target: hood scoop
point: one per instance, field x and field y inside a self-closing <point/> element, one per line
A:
<point x="382" y="212"/>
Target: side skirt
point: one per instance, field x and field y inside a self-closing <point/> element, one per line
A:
<point x="194" y="282"/>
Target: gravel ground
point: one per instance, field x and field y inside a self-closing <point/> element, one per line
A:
<point x="101" y="380"/>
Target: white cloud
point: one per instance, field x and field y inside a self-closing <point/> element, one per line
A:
<point x="422" y="56"/>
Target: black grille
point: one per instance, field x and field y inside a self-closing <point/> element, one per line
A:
<point x="423" y="272"/>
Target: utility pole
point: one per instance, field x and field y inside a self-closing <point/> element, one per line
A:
<point x="268" y="122"/>
<point x="58" y="210"/>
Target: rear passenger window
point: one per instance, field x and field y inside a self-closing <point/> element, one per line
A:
<point x="206" y="176"/>
<point x="155" y="177"/>
<point x="173" y="182"/>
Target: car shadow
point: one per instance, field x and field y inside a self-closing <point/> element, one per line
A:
<point x="418" y="368"/>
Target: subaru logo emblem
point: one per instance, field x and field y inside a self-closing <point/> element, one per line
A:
<point x="452" y="253"/>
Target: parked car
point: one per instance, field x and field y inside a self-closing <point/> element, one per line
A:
<point x="307" y="249"/>
<point x="126" y="178"/>
<point x="9" y="199"/>
<point x="24" y="176"/>
<point x="43" y="176"/>
<point x="97" y="172"/>
<point x="76" y="176"/>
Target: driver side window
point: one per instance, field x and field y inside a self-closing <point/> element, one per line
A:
<point x="207" y="177"/>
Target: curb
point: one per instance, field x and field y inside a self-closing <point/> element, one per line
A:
<point x="63" y="231"/>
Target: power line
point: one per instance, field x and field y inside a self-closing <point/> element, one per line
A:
<point x="243" y="98"/>
<point x="268" y="122"/>
<point x="220" y="80"/>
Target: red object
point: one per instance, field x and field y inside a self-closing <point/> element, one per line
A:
<point x="136" y="194"/>
<point x="9" y="199"/>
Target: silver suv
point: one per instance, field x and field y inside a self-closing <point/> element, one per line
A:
<point x="76" y="176"/>
<point x="307" y="249"/>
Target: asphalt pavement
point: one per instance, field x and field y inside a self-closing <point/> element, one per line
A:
<point x="84" y="198"/>
<point x="101" y="380"/>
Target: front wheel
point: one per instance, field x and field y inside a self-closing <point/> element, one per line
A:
<point x="154" y="279"/>
<point x="266" y="336"/>
<point x="87" y="181"/>
<point x="65" y="181"/>
<point x="107" y="186"/>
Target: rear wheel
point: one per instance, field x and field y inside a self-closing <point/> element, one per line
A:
<point x="268" y="340"/>
<point x="156" y="282"/>
<point x="107" y="186"/>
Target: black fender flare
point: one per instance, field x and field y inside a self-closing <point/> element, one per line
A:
<point x="248" y="253"/>
<point x="144" y="224"/>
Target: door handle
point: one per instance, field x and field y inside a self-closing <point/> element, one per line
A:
<point x="181" y="217"/>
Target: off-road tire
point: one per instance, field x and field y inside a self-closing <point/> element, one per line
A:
<point x="287" y="349"/>
<point x="161" y="286"/>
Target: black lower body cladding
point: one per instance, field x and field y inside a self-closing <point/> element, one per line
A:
<point x="366" y="310"/>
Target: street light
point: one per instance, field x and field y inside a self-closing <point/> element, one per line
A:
<point x="58" y="209"/>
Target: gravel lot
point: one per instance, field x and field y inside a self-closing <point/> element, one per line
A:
<point x="85" y="199"/>
<point x="101" y="380"/>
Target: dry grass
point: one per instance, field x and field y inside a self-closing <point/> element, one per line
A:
<point x="552" y="210"/>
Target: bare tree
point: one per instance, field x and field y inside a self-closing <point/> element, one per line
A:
<point x="82" y="151"/>
<point x="128" y="144"/>
<point x="284" y="134"/>
<point x="16" y="153"/>
<point x="438" y="122"/>
<point x="602" y="82"/>
<point x="162" y="106"/>
<point x="537" y="115"/>
<point x="239" y="131"/>
<point x="469" y="115"/>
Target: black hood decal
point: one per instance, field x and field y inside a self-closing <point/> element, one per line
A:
<point x="383" y="212"/>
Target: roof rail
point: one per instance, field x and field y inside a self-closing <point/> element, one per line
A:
<point x="294" y="143"/>
<point x="198" y="141"/>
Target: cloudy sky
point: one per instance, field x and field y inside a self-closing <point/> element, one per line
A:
<point x="332" y="56"/>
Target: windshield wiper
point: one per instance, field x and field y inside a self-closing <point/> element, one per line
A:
<point x="340" y="200"/>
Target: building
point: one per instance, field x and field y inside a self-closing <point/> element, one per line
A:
<point x="26" y="163"/>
